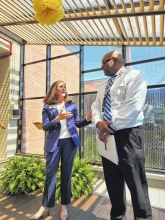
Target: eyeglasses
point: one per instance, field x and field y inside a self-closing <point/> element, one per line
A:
<point x="105" y="61"/>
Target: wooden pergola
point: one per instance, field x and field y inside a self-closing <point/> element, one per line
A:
<point x="90" y="22"/>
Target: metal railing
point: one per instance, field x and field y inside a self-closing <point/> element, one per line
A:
<point x="154" y="129"/>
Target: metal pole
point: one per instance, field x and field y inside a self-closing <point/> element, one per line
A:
<point x="48" y="67"/>
<point x="21" y="86"/>
<point x="124" y="52"/>
<point x="81" y="99"/>
<point x="48" y="74"/>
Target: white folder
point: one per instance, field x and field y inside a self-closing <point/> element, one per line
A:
<point x="108" y="150"/>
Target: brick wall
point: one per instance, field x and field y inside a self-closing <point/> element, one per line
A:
<point x="9" y="99"/>
<point x="93" y="85"/>
<point x="66" y="69"/>
<point x="4" y="104"/>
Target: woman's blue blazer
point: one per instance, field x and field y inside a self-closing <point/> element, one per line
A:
<point x="49" y="124"/>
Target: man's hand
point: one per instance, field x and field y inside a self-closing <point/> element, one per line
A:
<point x="102" y="138"/>
<point x="103" y="128"/>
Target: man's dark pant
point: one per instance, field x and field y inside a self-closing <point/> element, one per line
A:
<point x="130" y="148"/>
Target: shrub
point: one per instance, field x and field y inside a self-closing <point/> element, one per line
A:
<point x="83" y="179"/>
<point x="26" y="174"/>
<point x="22" y="175"/>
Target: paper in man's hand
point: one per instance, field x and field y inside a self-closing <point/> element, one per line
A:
<point x="109" y="151"/>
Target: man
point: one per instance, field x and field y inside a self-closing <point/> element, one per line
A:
<point x="127" y="93"/>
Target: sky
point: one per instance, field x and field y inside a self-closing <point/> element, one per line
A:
<point x="154" y="72"/>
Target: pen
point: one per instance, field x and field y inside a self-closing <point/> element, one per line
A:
<point x="104" y="142"/>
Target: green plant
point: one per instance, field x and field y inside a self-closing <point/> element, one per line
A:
<point x="22" y="175"/>
<point x="83" y="179"/>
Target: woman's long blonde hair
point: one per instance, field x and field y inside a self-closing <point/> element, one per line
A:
<point x="52" y="97"/>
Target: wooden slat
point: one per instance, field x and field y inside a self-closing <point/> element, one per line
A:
<point x="94" y="21"/>
<point x="137" y="23"/>
<point x="82" y="28"/>
<point x="161" y="30"/>
<point x="116" y="22"/>
<point x="144" y="22"/>
<point x="113" y="14"/>
<point x="91" y="26"/>
<point x="129" y="23"/>
<point x="153" y="22"/>
<point x="162" y="6"/>
<point x="107" y="22"/>
<point x="101" y="11"/>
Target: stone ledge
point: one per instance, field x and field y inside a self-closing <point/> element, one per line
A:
<point x="154" y="180"/>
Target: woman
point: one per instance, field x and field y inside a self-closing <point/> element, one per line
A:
<point x="60" y="118"/>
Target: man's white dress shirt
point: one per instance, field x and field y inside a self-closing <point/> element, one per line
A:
<point x="128" y="94"/>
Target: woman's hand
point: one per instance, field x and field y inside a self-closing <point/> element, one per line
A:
<point x="63" y="115"/>
<point x="89" y="116"/>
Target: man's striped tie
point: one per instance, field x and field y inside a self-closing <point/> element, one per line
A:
<point x="107" y="108"/>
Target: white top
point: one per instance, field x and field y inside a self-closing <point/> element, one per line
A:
<point x="128" y="94"/>
<point x="64" y="132"/>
